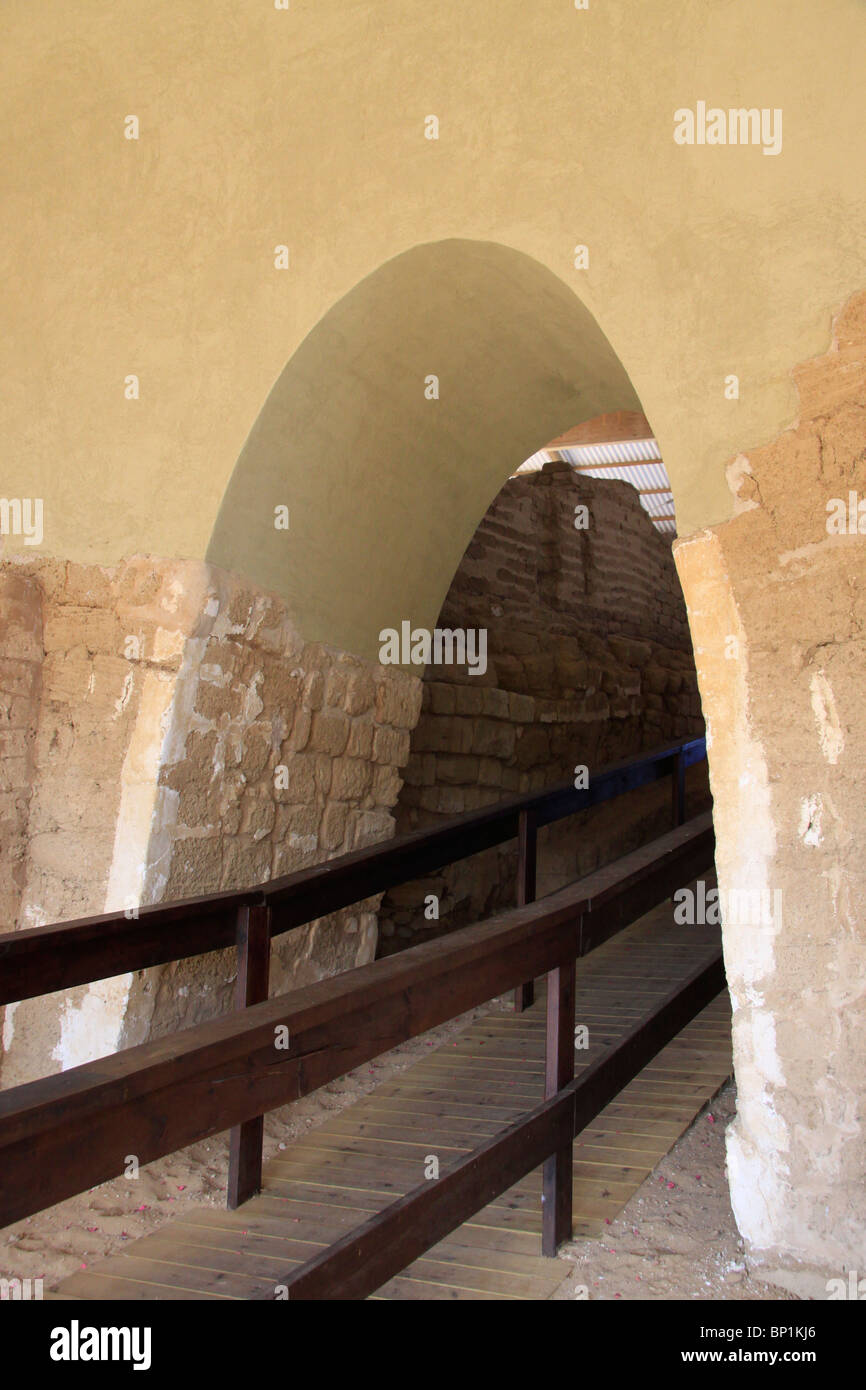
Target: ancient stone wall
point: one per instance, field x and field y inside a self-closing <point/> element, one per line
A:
<point x="777" y="602"/>
<point x="20" y="683"/>
<point x="589" y="661"/>
<point x="20" y="688"/>
<point x="183" y="739"/>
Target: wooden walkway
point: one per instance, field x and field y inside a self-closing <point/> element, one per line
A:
<point x="354" y="1164"/>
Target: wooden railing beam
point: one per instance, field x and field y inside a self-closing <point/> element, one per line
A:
<point x="43" y="960"/>
<point x="73" y="1130"/>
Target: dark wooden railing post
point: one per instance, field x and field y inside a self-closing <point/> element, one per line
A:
<point x="678" y="791"/>
<point x="556" y="1219"/>
<point x="254" y="956"/>
<point x="527" y="844"/>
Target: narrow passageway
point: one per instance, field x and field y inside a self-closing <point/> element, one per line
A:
<point x="587" y="659"/>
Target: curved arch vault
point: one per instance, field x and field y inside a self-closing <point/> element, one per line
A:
<point x="394" y="425"/>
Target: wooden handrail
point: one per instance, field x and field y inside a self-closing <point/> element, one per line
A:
<point x="385" y="1244"/>
<point x="47" y="959"/>
<point x="43" y="960"/>
<point x="70" y="1131"/>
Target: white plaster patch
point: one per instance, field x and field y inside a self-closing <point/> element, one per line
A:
<point x="167" y="644"/>
<point x="749" y="961"/>
<point x="186" y="689"/>
<point x="736" y="473"/>
<point x="223" y="628"/>
<point x="827" y="717"/>
<point x="756" y="1193"/>
<point x="92" y="1028"/>
<point x="253" y="703"/>
<point x="765" y="1052"/>
<point x="811" y="813"/>
<point x="9" y="1026"/>
<point x="161" y="844"/>
<point x="125" y="694"/>
<point x="745" y="825"/>
<point x="34" y="915"/>
<point x="173" y="596"/>
<point x="214" y="675"/>
<point x="139" y="778"/>
<point x="258" y="613"/>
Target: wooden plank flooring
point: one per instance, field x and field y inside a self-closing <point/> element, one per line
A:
<point x="357" y="1162"/>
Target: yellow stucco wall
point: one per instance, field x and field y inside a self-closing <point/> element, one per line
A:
<point x="261" y="127"/>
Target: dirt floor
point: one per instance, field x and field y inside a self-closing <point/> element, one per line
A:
<point x="675" y="1239"/>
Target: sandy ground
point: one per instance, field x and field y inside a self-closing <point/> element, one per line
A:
<point x="675" y="1239"/>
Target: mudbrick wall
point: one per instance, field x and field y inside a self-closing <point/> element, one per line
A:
<point x="20" y="687"/>
<point x="589" y="661"/>
<point x="777" y="600"/>
<point x="167" y="733"/>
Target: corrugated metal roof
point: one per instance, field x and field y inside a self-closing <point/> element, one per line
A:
<point x="617" y="451"/>
<point x="635" y="461"/>
<point x="640" y="475"/>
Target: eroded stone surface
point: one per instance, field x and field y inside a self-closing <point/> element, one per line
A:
<point x="184" y="739"/>
<point x="778" y="616"/>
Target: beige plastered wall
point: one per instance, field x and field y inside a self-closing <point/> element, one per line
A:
<point x="261" y="128"/>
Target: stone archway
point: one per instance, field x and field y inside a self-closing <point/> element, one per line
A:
<point x="400" y="417"/>
<point x="207" y="676"/>
<point x="384" y="494"/>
